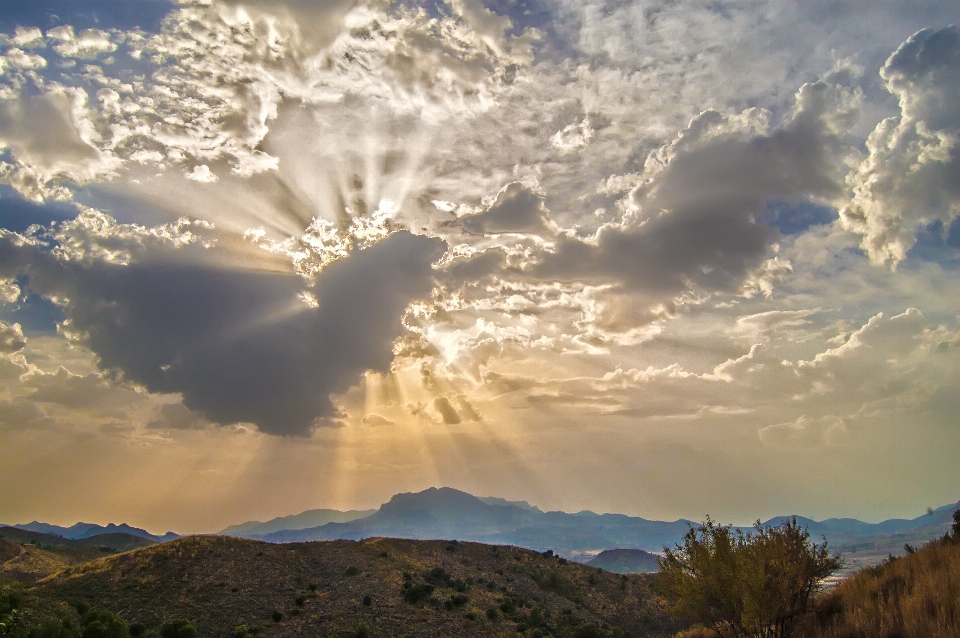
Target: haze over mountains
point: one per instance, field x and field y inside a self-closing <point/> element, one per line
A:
<point x="86" y="530"/>
<point x="446" y="513"/>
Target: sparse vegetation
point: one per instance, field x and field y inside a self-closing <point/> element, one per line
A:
<point x="754" y="584"/>
<point x="915" y="595"/>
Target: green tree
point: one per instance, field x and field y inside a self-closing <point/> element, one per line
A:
<point x="745" y="584"/>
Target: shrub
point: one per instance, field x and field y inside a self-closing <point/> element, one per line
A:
<point x="104" y="624"/>
<point x="367" y="600"/>
<point x="416" y="593"/>
<point x="754" y="584"/>
<point x="351" y="571"/>
<point x="277" y="616"/>
<point x="362" y="630"/>
<point x="492" y="613"/>
<point x="178" y="629"/>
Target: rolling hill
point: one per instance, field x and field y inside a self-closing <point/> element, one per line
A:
<point x="377" y="587"/>
<point x="27" y="556"/>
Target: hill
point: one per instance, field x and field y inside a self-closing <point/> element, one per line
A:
<point x="303" y="520"/>
<point x="27" y="556"/>
<point x="625" y="561"/>
<point x="383" y="587"/>
<point x="915" y="595"/>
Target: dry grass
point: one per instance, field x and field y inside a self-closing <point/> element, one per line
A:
<point x="916" y="596"/>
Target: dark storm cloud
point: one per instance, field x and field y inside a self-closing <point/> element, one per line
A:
<point x="239" y="345"/>
<point x="517" y="209"/>
<point x="699" y="229"/>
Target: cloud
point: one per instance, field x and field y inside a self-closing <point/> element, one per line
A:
<point x="174" y="416"/>
<point x="376" y="419"/>
<point x="20" y="414"/>
<point x="239" y="345"/>
<point x="691" y="227"/>
<point x="911" y="175"/>
<point x="11" y="338"/>
<point x="804" y="431"/>
<point x="43" y="133"/>
<point x="516" y="209"/>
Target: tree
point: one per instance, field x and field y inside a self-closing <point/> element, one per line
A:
<point x="745" y="584"/>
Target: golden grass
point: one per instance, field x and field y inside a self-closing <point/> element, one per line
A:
<point x="916" y="596"/>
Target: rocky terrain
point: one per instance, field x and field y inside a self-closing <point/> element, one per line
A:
<point x="376" y="587"/>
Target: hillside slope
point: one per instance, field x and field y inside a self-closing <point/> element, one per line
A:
<point x="27" y="556"/>
<point x="397" y="587"/>
<point x="916" y="596"/>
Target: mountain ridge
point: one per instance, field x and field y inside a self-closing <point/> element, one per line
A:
<point x="85" y="530"/>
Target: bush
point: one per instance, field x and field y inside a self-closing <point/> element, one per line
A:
<point x="416" y="593"/>
<point x="178" y="629"/>
<point x="362" y="630"/>
<point x="104" y="624"/>
<point x="754" y="584"/>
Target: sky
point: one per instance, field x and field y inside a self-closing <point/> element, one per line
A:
<point x="665" y="258"/>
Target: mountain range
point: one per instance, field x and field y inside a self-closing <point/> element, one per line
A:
<point x="446" y="513"/>
<point x="86" y="530"/>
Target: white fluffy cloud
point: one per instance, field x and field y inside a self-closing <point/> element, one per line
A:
<point x="911" y="176"/>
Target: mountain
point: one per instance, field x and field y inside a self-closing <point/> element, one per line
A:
<point x="493" y="500"/>
<point x="84" y="530"/>
<point x="379" y="587"/>
<point x="625" y="561"/>
<point x="303" y="520"/>
<point x="448" y="513"/>
<point x="846" y="533"/>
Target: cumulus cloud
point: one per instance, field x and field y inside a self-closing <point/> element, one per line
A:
<point x="11" y="338"/>
<point x="911" y="176"/>
<point x="691" y="227"/>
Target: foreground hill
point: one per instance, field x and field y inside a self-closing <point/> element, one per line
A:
<point x="27" y="556"/>
<point x="384" y="587"/>
<point x="917" y="595"/>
